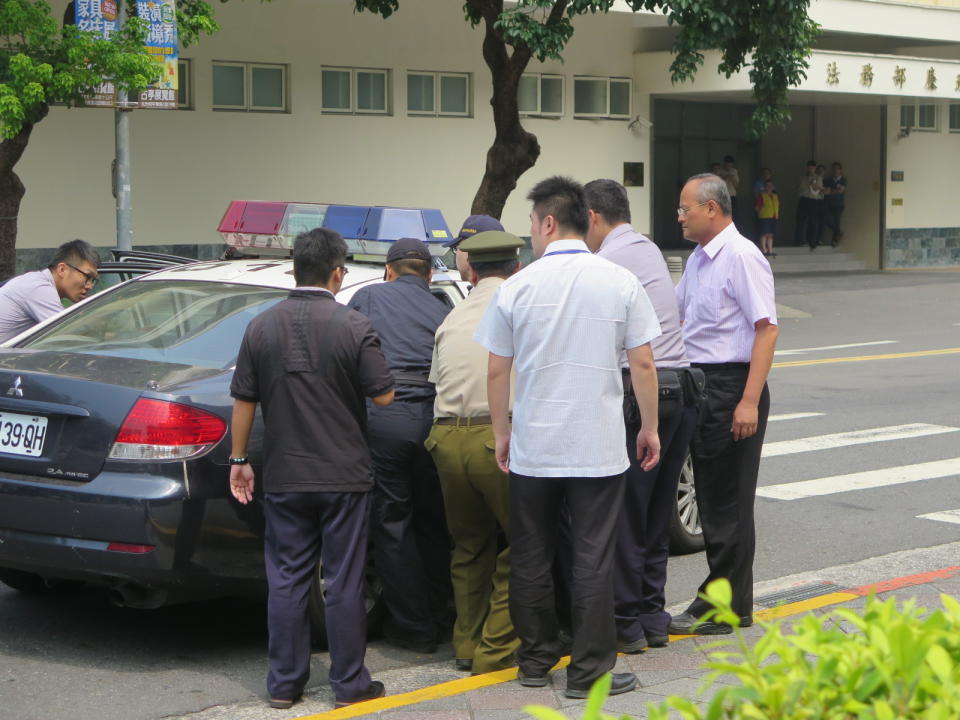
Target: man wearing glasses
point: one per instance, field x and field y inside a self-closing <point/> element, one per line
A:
<point x="729" y="318"/>
<point x="31" y="298"/>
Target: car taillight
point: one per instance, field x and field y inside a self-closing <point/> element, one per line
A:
<point x="162" y="430"/>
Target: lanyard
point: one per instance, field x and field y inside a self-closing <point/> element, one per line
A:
<point x="564" y="252"/>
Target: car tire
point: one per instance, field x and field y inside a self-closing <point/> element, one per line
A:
<point x="26" y="582"/>
<point x="686" y="534"/>
<point x="372" y="600"/>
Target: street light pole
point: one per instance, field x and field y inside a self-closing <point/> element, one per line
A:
<point x="122" y="165"/>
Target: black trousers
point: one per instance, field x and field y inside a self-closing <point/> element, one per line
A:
<point x="831" y="220"/>
<point x="809" y="228"/>
<point x="725" y="478"/>
<point x="410" y="539"/>
<point x="302" y="527"/>
<point x="643" y="528"/>
<point x="535" y="511"/>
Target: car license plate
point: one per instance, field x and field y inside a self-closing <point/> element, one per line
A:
<point x="22" y="434"/>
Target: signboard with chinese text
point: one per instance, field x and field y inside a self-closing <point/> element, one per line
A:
<point x="100" y="16"/>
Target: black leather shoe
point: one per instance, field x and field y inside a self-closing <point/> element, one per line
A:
<point x="283" y="704"/>
<point x="463" y="664"/>
<point x="374" y="690"/>
<point x="634" y="647"/>
<point x="622" y="682"/>
<point x="657" y="641"/>
<point x="531" y="680"/>
<point x="683" y="624"/>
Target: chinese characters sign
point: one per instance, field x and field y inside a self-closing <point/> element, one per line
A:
<point x="100" y="16"/>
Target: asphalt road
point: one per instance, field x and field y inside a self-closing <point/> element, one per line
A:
<point x="73" y="656"/>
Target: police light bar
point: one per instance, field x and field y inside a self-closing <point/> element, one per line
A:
<point x="269" y="228"/>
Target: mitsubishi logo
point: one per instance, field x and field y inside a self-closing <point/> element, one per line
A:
<point x="15" y="389"/>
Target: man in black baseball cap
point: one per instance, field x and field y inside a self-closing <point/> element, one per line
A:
<point x="408" y="527"/>
<point x="471" y="226"/>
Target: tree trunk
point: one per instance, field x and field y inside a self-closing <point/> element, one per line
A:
<point x="514" y="150"/>
<point x="11" y="193"/>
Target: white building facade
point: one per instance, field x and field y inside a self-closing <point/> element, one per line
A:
<point x="312" y="102"/>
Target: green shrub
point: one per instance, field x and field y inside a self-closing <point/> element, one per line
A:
<point x="892" y="662"/>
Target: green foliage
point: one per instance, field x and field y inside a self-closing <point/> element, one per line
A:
<point x="890" y="662"/>
<point x="771" y="37"/>
<point x="42" y="63"/>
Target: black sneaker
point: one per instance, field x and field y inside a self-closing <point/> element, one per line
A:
<point x="622" y="682"/>
<point x="634" y="647"/>
<point x="657" y="641"/>
<point x="532" y="680"/>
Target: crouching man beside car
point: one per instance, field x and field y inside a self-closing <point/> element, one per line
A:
<point x="309" y="361"/>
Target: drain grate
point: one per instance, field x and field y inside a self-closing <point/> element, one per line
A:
<point x="796" y="594"/>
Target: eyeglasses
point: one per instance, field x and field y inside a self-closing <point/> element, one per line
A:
<point x="681" y="211"/>
<point x="90" y="278"/>
<point x="344" y="268"/>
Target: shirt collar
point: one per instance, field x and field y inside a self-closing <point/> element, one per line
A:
<point x="719" y="241"/>
<point x="311" y="290"/>
<point x="567" y="244"/>
<point x="618" y="237"/>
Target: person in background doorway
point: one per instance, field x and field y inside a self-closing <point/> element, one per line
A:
<point x="731" y="176"/>
<point x="807" y="209"/>
<point x="768" y="216"/>
<point x="834" y="202"/>
<point x="758" y="186"/>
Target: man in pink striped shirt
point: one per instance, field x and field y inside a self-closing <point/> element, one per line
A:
<point x="730" y="330"/>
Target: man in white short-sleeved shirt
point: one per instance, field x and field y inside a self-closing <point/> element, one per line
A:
<point x="564" y="321"/>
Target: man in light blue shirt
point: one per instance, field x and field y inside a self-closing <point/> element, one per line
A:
<point x="563" y="322"/>
<point x="31" y="298"/>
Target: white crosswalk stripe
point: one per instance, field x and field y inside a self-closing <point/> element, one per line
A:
<point x="855" y="437"/>
<point x="950" y="516"/>
<point x="861" y="480"/>
<point x="793" y="416"/>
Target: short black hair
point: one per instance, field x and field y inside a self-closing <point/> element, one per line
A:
<point x="563" y="198"/>
<point x="494" y="268"/>
<point x="411" y="266"/>
<point x="811" y="162"/>
<point x="728" y="159"/>
<point x="74" y="253"/>
<point x="837" y="165"/>
<point x="316" y="254"/>
<point x="609" y="198"/>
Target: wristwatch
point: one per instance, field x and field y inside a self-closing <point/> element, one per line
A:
<point x="238" y="460"/>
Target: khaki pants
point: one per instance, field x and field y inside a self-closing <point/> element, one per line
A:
<point x="476" y="498"/>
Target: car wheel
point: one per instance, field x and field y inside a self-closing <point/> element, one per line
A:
<point x="26" y="582"/>
<point x="372" y="601"/>
<point x="686" y="535"/>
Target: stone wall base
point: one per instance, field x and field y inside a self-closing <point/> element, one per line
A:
<point x="921" y="247"/>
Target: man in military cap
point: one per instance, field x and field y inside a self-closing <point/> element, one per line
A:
<point x="473" y="225"/>
<point x="410" y="538"/>
<point x="476" y="494"/>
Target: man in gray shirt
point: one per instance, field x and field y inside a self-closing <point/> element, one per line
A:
<point x="650" y="496"/>
<point x="31" y="298"/>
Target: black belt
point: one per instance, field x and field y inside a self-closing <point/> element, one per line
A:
<point x="414" y="379"/>
<point x="684" y="383"/>
<point x="464" y="422"/>
<point x="719" y="367"/>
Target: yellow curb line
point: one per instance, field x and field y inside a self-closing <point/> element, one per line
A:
<point x="862" y="358"/>
<point x="476" y="682"/>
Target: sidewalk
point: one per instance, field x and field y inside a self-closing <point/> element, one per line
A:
<point x="428" y="688"/>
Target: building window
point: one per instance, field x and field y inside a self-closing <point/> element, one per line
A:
<point x="541" y="95"/>
<point x="954" y="117"/>
<point x="355" y="90"/>
<point x="596" y="97"/>
<point x="184" y="85"/>
<point x="443" y="94"/>
<point x="920" y="116"/>
<point x="249" y="86"/>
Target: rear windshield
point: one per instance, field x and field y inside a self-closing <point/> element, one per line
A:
<point x="192" y="323"/>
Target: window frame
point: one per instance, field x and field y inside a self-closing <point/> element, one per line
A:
<point x="915" y="125"/>
<point x="540" y="112"/>
<point x="283" y="87"/>
<point x="248" y="105"/>
<point x="185" y="81"/>
<point x="951" y="108"/>
<point x="607" y="115"/>
<point x="437" y="76"/>
<point x="354" y="109"/>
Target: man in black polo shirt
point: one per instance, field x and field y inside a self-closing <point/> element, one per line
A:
<point x="309" y="362"/>
<point x="410" y="540"/>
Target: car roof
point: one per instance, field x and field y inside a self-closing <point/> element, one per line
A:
<point x="273" y="273"/>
